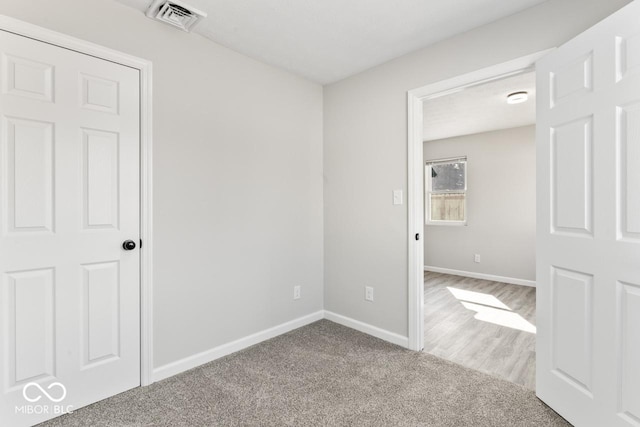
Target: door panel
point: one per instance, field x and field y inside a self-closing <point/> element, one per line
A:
<point x="28" y="78"/>
<point x="29" y="201"/>
<point x="30" y="306"/>
<point x="69" y="174"/>
<point x="629" y="350"/>
<point x="588" y="231"/>
<point x="629" y="172"/>
<point x="572" y="187"/>
<point x="100" y="179"/>
<point x="572" y="80"/>
<point x="101" y="290"/>
<point x="572" y="326"/>
<point x="99" y="94"/>
<point x="627" y="53"/>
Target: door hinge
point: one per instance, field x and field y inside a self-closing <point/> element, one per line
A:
<point x="417" y="236"/>
<point x="140" y="243"/>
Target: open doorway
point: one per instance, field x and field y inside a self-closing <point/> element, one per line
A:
<point x="480" y="224"/>
<point x="586" y="246"/>
<point x="415" y="175"/>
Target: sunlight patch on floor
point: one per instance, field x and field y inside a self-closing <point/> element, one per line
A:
<point x="490" y="309"/>
<point x="477" y="297"/>
<point x="500" y="317"/>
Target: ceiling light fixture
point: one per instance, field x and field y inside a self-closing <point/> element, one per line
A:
<point x="517" y="97"/>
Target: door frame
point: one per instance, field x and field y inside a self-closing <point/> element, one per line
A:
<point x="35" y="32"/>
<point x="415" y="167"/>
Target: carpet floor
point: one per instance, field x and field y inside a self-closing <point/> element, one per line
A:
<point x="322" y="374"/>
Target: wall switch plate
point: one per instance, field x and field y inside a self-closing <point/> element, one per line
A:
<point x="296" y="292"/>
<point x="397" y="197"/>
<point x="368" y="293"/>
<point x="476" y="258"/>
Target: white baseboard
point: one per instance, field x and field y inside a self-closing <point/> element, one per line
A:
<point x="493" y="278"/>
<point x="391" y="337"/>
<point x="207" y="356"/>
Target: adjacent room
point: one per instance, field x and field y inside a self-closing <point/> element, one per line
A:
<point x="480" y="226"/>
<point x="212" y="213"/>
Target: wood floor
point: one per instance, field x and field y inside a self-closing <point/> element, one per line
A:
<point x="483" y="325"/>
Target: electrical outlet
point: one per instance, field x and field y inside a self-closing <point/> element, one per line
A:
<point x="296" y="292"/>
<point x="476" y="258"/>
<point x="368" y="293"/>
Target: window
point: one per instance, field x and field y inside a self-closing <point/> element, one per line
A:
<point x="446" y="191"/>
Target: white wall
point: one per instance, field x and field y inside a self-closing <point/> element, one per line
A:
<point x="365" y="154"/>
<point x="501" y="205"/>
<point x="237" y="174"/>
<point x="239" y="162"/>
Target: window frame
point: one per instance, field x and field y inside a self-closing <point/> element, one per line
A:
<point x="428" y="191"/>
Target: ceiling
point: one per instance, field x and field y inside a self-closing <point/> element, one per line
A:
<point x="480" y="108"/>
<point x="328" y="40"/>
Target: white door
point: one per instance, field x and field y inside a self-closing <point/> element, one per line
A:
<point x="588" y="238"/>
<point x="69" y="195"/>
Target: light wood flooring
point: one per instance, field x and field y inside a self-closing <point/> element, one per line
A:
<point x="483" y="325"/>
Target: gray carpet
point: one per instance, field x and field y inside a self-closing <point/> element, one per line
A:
<point x="322" y="375"/>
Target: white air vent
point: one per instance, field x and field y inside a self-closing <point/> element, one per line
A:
<point x="176" y="13"/>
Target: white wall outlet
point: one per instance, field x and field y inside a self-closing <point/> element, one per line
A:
<point x="368" y="293"/>
<point x="397" y="197"/>
<point x="476" y="258"/>
<point x="296" y="292"/>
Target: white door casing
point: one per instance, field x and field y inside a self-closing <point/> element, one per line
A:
<point x="588" y="224"/>
<point x="415" y="193"/>
<point x="69" y="180"/>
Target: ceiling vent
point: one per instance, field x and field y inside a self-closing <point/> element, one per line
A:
<point x="175" y="13"/>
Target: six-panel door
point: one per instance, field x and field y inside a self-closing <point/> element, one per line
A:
<point x="69" y="180"/>
<point x="588" y="224"/>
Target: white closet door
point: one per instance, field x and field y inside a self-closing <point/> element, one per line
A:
<point x="69" y="180"/>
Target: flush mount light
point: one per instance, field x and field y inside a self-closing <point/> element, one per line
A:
<point x="517" y="97"/>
